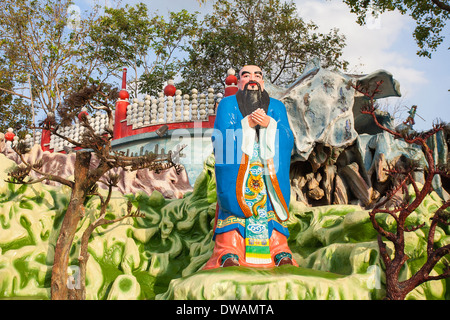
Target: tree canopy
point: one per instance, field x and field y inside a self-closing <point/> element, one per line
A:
<point x="15" y="111"/>
<point x="42" y="58"/>
<point x="430" y="17"/>
<point x="51" y="48"/>
<point x="62" y="50"/>
<point x="147" y="43"/>
<point x="268" y="33"/>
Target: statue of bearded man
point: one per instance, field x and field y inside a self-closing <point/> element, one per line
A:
<point x="252" y="144"/>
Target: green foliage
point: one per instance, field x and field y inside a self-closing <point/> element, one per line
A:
<point x="16" y="113"/>
<point x="40" y="41"/>
<point x="63" y="50"/>
<point x="149" y="44"/>
<point x="430" y="17"/>
<point x="267" y="33"/>
<point x="162" y="252"/>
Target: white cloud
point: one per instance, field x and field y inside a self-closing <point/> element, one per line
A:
<point x="372" y="46"/>
<point x="369" y="44"/>
<point x="387" y="43"/>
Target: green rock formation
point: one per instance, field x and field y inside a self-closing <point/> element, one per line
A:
<point x="283" y="283"/>
<point x="160" y="255"/>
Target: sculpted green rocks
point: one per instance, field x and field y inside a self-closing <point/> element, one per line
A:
<point x="160" y="256"/>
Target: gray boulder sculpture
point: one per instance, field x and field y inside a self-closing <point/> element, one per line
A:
<point x="323" y="108"/>
<point x="340" y="154"/>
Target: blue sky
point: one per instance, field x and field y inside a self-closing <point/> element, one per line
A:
<point x="385" y="43"/>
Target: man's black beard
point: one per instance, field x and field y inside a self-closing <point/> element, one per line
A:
<point x="250" y="100"/>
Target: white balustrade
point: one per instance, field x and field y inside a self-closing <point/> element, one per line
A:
<point x="142" y="113"/>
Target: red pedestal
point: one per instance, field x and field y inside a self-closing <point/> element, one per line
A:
<point x="121" y="114"/>
<point x="231" y="90"/>
<point x="45" y="140"/>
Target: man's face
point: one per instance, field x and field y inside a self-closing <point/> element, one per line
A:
<point x="250" y="75"/>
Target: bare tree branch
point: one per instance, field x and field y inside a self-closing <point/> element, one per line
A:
<point x="441" y="5"/>
<point x="403" y="177"/>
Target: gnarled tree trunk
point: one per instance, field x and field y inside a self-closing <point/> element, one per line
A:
<point x="59" y="288"/>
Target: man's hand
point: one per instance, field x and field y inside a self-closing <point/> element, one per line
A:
<point x="258" y="117"/>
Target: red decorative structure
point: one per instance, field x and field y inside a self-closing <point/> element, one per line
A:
<point x="123" y="94"/>
<point x="82" y="113"/>
<point x="9" y="136"/>
<point x="46" y="134"/>
<point x="231" y="83"/>
<point x="45" y="140"/>
<point x="121" y="109"/>
<point x="169" y="90"/>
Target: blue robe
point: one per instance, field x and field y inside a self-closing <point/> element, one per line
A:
<point x="232" y="139"/>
